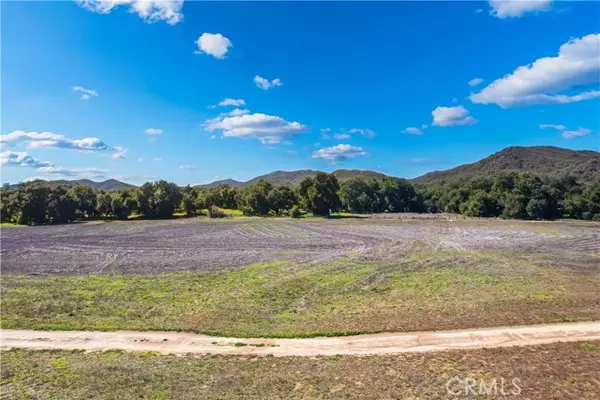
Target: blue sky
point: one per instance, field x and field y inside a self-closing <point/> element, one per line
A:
<point x="98" y="90"/>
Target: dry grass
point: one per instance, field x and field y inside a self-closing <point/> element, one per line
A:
<point x="558" y="371"/>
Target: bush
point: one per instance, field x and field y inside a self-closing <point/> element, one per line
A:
<point x="295" y="212"/>
<point x="216" y="212"/>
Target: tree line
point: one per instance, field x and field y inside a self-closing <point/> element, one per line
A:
<point x="510" y="196"/>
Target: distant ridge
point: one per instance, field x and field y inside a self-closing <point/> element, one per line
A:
<point x="536" y="160"/>
<point x="110" y="184"/>
<point x="295" y="177"/>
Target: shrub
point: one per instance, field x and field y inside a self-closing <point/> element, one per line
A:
<point x="216" y="212"/>
<point x="295" y="212"/>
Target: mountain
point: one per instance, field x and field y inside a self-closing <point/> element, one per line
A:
<point x="537" y="160"/>
<point x="295" y="177"/>
<point x="110" y="184"/>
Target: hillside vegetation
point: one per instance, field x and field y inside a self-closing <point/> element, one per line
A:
<point x="538" y="160"/>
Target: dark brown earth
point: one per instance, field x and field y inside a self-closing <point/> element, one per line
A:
<point x="201" y="244"/>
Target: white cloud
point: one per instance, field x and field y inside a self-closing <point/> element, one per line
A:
<point x="157" y="159"/>
<point x="85" y="93"/>
<point x="21" y="159"/>
<point x="187" y="167"/>
<point x="567" y="134"/>
<point x="452" y="116"/>
<point x="153" y="131"/>
<point x="341" y="136"/>
<point x="38" y="140"/>
<point x="516" y="8"/>
<point x="424" y="126"/>
<point x="89" y="173"/>
<point x="232" y="102"/>
<point x="149" y="10"/>
<point x="213" y="44"/>
<point x="238" y="111"/>
<point x="413" y="131"/>
<point x="269" y="129"/>
<point x="365" y="132"/>
<point x="340" y="152"/>
<point x="552" y="126"/>
<point x="475" y="81"/>
<point x="266" y="84"/>
<point x="141" y="159"/>
<point x="577" y="65"/>
<point x="576" y="133"/>
<point x="119" y="153"/>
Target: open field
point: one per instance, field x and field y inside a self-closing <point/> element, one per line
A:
<point x="143" y="247"/>
<point x="557" y="371"/>
<point x="256" y="277"/>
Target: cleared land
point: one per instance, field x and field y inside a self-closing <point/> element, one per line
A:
<point x="382" y="343"/>
<point x="557" y="371"/>
<point x="253" y="277"/>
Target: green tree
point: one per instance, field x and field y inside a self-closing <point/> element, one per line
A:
<point x="85" y="200"/>
<point x="320" y="194"/>
<point x="254" y="200"/>
<point x="281" y="198"/>
<point x="103" y="203"/>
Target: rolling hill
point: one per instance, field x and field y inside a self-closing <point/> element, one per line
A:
<point x="110" y="184"/>
<point x="295" y="177"/>
<point x="536" y="160"/>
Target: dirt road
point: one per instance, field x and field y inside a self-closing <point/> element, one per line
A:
<point x="384" y="343"/>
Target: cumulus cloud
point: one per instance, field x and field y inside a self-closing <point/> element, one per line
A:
<point x="577" y="65"/>
<point x="232" y="102"/>
<point x="120" y="153"/>
<point x="157" y="159"/>
<point x="85" y="93"/>
<point x="23" y="159"/>
<point x="49" y="140"/>
<point x="39" y="140"/>
<point x="411" y="130"/>
<point x="238" y="111"/>
<point x="153" y="131"/>
<point x="424" y="126"/>
<point x="565" y="133"/>
<point x="475" y="81"/>
<point x="149" y="10"/>
<point x="452" y="116"/>
<point x="340" y="152"/>
<point x="269" y="129"/>
<point x="187" y="167"/>
<point x="213" y="44"/>
<point x="266" y="84"/>
<point x="517" y="8"/>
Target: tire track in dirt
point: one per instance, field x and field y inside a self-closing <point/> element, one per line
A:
<point x="384" y="343"/>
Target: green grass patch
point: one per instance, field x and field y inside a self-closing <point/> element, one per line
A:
<point x="543" y="371"/>
<point x="434" y="290"/>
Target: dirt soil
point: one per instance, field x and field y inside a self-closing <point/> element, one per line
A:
<point x="384" y="343"/>
<point x="201" y="244"/>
